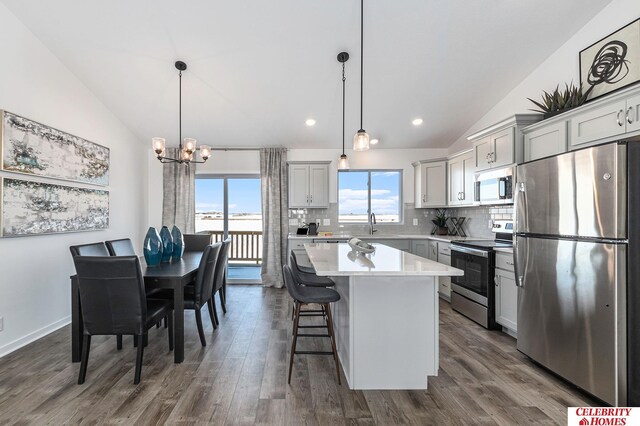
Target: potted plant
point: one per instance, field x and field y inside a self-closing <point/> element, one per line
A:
<point x="560" y="101"/>
<point x="440" y="222"/>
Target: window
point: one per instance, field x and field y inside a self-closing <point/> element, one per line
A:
<point x="364" y="191"/>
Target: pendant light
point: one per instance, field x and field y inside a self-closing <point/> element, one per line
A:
<point x="185" y="154"/>
<point x="361" y="138"/>
<point x="343" y="162"/>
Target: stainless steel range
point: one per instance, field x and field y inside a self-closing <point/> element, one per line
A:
<point x="473" y="294"/>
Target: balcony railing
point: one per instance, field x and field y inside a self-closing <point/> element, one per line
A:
<point x="246" y="246"/>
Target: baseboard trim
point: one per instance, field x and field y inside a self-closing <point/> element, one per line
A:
<point x="32" y="337"/>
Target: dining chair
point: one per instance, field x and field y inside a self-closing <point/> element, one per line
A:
<point x="94" y="249"/>
<point x="121" y="247"/>
<point x="219" y="283"/>
<point x="197" y="295"/>
<point x="113" y="302"/>
<point x="196" y="242"/>
<point x="303" y="295"/>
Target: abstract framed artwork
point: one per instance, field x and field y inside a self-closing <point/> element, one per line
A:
<point x="36" y="208"/>
<point x="33" y="148"/>
<point x="612" y="62"/>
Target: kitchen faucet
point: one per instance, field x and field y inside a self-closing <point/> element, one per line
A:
<point x="372" y="221"/>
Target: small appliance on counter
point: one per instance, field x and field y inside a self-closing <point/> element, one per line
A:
<point x="313" y="228"/>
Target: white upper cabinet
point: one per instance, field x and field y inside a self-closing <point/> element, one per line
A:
<point x="430" y="184"/>
<point x="460" y="179"/>
<point x="318" y="185"/>
<point x="309" y="185"/>
<point x="501" y="144"/>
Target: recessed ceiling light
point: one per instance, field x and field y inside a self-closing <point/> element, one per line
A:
<point x="417" y="122"/>
<point x="310" y="122"/>
<point x="374" y="141"/>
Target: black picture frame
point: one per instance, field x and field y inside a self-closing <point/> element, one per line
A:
<point x="624" y="82"/>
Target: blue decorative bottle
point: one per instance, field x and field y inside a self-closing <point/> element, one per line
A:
<point x="178" y="243"/>
<point x="152" y="247"/>
<point x="167" y="244"/>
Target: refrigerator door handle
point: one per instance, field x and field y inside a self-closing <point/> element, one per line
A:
<point x="516" y="264"/>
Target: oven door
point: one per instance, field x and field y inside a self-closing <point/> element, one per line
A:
<point x="475" y="264"/>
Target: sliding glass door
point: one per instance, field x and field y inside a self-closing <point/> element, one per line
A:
<point x="231" y="206"/>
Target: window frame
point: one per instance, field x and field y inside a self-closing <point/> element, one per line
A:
<point x="369" y="172"/>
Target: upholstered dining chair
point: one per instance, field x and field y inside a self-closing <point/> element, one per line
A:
<point x="196" y="242"/>
<point x="92" y="249"/>
<point x="113" y="302"/>
<point x="219" y="283"/>
<point x="197" y="295"/>
<point x="121" y="247"/>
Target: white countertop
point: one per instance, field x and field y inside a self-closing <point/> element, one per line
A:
<point x="341" y="236"/>
<point x="339" y="260"/>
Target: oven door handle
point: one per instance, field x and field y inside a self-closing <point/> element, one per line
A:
<point x="469" y="250"/>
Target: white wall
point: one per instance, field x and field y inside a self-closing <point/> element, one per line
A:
<point x="34" y="271"/>
<point x="562" y="66"/>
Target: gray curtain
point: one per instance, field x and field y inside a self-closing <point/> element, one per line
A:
<point x="179" y="201"/>
<point x="275" y="223"/>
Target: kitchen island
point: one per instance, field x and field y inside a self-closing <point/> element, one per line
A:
<point x="386" y="321"/>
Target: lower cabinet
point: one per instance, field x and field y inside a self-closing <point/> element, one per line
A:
<point x="444" y="256"/>
<point x="506" y="293"/>
<point x="432" y="250"/>
<point x="404" y="245"/>
<point x="420" y="248"/>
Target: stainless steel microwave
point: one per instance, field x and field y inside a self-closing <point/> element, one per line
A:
<point x="494" y="186"/>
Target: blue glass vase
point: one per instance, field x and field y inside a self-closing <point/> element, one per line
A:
<point x="178" y="243"/>
<point x="152" y="247"/>
<point x="167" y="244"/>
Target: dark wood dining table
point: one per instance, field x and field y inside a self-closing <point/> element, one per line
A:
<point x="173" y="275"/>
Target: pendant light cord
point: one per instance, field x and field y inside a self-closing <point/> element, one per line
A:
<point x="361" y="56"/>
<point x="180" y="112"/>
<point x="343" y="82"/>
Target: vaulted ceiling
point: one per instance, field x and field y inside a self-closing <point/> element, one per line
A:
<point x="259" y="69"/>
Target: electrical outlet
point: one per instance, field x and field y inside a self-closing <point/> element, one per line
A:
<point x="490" y="223"/>
<point x="1" y="323"/>
<point x="326" y="222"/>
<point x="415" y="221"/>
<point x="293" y="222"/>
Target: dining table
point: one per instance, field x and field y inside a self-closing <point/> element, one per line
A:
<point x="174" y="275"/>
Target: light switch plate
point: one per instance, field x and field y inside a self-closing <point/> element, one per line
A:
<point x="326" y="222"/>
<point x="415" y="221"/>
<point x="490" y="223"/>
<point x="293" y="222"/>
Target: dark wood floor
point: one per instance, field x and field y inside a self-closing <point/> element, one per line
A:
<point x="240" y="378"/>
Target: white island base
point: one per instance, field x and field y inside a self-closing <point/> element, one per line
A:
<point x="387" y="330"/>
<point x="386" y="321"/>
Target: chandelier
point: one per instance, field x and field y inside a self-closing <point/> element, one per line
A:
<point x="186" y="152"/>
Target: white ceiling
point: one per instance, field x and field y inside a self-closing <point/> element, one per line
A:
<point x="259" y="69"/>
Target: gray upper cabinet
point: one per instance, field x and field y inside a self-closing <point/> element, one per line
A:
<point x="545" y="141"/>
<point x="309" y="185"/>
<point x="460" y="179"/>
<point x="602" y="122"/>
<point x="430" y="184"/>
<point x="632" y="114"/>
<point x="501" y="144"/>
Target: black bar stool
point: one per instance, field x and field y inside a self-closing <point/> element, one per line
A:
<point x="309" y="279"/>
<point x="303" y="296"/>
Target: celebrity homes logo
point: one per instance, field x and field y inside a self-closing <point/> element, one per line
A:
<point x="603" y="416"/>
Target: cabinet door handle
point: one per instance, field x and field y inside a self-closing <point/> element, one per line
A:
<point x="462" y="196"/>
<point x="311" y="198"/>
<point x="620" y="123"/>
<point x="629" y="118"/>
<point x="497" y="280"/>
<point x="509" y="263"/>
<point x="493" y="157"/>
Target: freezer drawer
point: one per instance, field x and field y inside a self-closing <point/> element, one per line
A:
<point x="571" y="311"/>
<point x="580" y="193"/>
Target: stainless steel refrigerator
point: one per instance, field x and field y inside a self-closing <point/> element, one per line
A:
<point x="578" y="267"/>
